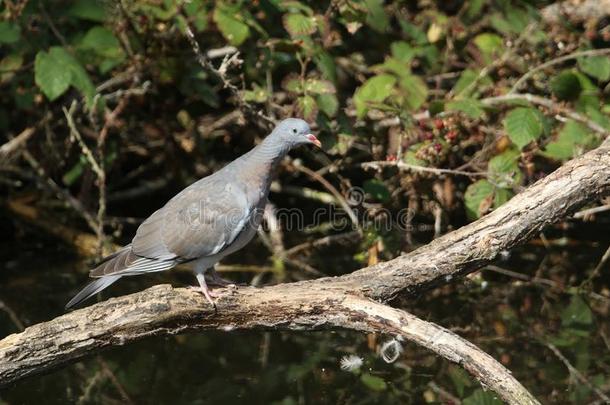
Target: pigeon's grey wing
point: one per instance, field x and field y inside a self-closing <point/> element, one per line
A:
<point x="202" y="220"/>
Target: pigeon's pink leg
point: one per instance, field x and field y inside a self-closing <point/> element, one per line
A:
<point x="204" y="288"/>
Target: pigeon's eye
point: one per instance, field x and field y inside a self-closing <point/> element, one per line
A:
<point x="294" y="130"/>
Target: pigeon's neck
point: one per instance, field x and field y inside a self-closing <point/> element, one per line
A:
<point x="269" y="152"/>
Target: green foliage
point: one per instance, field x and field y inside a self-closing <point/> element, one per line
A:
<point x="298" y="24"/>
<point x="490" y="45"/>
<point x="596" y="66"/>
<point x="230" y="23"/>
<point x="566" y="86"/>
<point x="572" y="140"/>
<point x="9" y="32"/>
<point x="377" y="189"/>
<point x="373" y="383"/>
<point x="481" y="397"/>
<point x="374" y="90"/>
<point x="470" y="107"/>
<point x="523" y="125"/>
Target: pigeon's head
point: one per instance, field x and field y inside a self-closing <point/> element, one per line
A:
<point x="295" y="132"/>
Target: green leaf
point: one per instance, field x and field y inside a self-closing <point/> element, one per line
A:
<point x="374" y="90"/>
<point x="328" y="104"/>
<point x="377" y="190"/>
<point x="92" y="10"/>
<point x="504" y="169"/>
<point x="258" y="94"/>
<point x="478" y="198"/>
<point x="415" y="89"/>
<point x="103" y="42"/>
<point x="230" y="25"/>
<point x="577" y="315"/>
<point x="307" y="107"/>
<point x="326" y="64"/>
<point x="572" y="140"/>
<point x="566" y="86"/>
<point x="9" y="32"/>
<point x="373" y="382"/>
<point x="402" y="51"/>
<point x="472" y="108"/>
<point x="376" y="17"/>
<point x="596" y="66"/>
<point x="9" y="65"/>
<point x="51" y="76"/>
<point x="480" y="397"/>
<point x="298" y="24"/>
<point x="56" y="70"/>
<point x="317" y="86"/>
<point x="490" y="45"/>
<point x="460" y="379"/>
<point x="523" y="125"/>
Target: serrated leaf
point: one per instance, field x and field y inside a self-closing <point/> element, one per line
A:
<point x="328" y="104"/>
<point x="490" y="45"/>
<point x="373" y="382"/>
<point x="566" y="86"/>
<point x="523" y="125"/>
<point x="326" y="64"/>
<point x="377" y="190"/>
<point x="415" y="89"/>
<point x="9" y="32"/>
<point x="596" y="66"/>
<point x="374" y="90"/>
<point x="504" y="169"/>
<point x="470" y="107"/>
<point x="298" y="24"/>
<point x="56" y="70"/>
<point x="232" y="28"/>
<point x="307" y="107"/>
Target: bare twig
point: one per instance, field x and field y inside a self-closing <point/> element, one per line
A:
<point x="220" y="73"/>
<point x="555" y="61"/>
<point x="10" y="147"/>
<point x="577" y="374"/>
<point x="551" y="105"/>
<point x="422" y="169"/>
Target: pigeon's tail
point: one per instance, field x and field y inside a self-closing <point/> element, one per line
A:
<point x="121" y="263"/>
<point x="91" y="289"/>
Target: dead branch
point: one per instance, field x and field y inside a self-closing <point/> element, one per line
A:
<point x="333" y="302"/>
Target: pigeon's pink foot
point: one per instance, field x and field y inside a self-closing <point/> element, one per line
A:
<point x="203" y="288"/>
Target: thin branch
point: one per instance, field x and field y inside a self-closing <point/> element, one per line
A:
<point x="220" y="73"/>
<point x="577" y="374"/>
<point x="421" y="169"/>
<point x="551" y="105"/>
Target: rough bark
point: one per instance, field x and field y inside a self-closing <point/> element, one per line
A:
<point x="340" y="302"/>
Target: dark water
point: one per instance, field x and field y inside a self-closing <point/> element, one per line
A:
<point x="512" y="319"/>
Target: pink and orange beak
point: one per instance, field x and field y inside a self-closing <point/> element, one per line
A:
<point x="312" y="138"/>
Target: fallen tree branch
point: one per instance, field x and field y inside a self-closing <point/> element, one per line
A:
<point x="163" y="310"/>
<point x="333" y="302"/>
